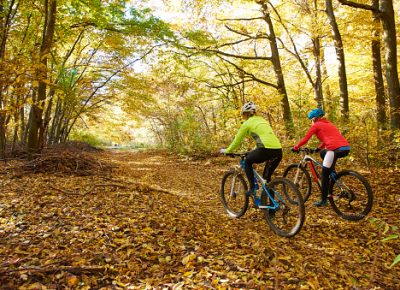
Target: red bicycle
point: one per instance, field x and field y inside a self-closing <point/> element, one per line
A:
<point x="350" y="194"/>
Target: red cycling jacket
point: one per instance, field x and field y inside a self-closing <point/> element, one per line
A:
<point x="327" y="133"/>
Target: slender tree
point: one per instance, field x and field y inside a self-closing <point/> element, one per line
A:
<point x="383" y="10"/>
<point x="275" y="59"/>
<point x="392" y="77"/>
<point x="377" y="67"/>
<point x="315" y="81"/>
<point x="7" y="13"/>
<point x="344" y="94"/>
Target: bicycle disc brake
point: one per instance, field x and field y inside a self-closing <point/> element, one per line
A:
<point x="349" y="195"/>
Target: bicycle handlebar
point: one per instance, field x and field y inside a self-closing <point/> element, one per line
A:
<point x="242" y="154"/>
<point x="305" y="150"/>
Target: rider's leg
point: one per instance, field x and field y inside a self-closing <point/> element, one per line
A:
<point x="255" y="156"/>
<point x="340" y="154"/>
<point x="329" y="158"/>
<point x="260" y="155"/>
<point x="275" y="157"/>
<point x="328" y="165"/>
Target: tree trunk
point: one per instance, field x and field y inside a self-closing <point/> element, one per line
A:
<point x="378" y="77"/>
<point x="383" y="10"/>
<point x="61" y="126"/>
<point x="319" y="97"/>
<point x="392" y="78"/>
<point x="55" y="122"/>
<point x="37" y="107"/>
<point x="287" y="115"/>
<point x="317" y="83"/>
<point x="344" y="95"/>
<point x="5" y="22"/>
<point x="2" y="133"/>
<point x="316" y="41"/>
<point x="329" y="102"/>
<point x="28" y="123"/>
<point x="47" y="117"/>
<point x="6" y="15"/>
<point x="17" y="124"/>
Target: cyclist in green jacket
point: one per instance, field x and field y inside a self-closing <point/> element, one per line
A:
<point x="268" y="147"/>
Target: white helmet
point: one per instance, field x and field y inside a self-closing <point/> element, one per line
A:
<point x="249" y="107"/>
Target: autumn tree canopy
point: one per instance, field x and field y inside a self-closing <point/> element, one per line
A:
<point x="94" y="70"/>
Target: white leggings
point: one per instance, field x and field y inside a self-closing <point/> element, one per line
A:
<point x="327" y="165"/>
<point x="328" y="159"/>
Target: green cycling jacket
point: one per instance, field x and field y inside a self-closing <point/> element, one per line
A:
<point x="260" y="130"/>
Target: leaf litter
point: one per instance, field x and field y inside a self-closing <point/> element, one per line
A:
<point x="152" y="220"/>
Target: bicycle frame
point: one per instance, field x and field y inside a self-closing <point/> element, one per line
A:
<point x="280" y="200"/>
<point x="311" y="162"/>
<point x="307" y="159"/>
<point x="259" y="178"/>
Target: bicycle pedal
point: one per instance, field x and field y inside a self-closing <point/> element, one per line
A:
<point x="321" y="203"/>
<point x="334" y="197"/>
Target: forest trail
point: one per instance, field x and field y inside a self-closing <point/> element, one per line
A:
<point x="156" y="222"/>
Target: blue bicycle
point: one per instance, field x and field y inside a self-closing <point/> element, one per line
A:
<point x="280" y="200"/>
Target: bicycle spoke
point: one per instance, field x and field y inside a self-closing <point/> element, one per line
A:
<point x="301" y="178"/>
<point x="288" y="216"/>
<point x="232" y="194"/>
<point x="351" y="196"/>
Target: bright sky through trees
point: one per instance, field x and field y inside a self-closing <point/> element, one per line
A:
<point x="190" y="64"/>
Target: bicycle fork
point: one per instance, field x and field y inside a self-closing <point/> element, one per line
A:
<point x="234" y="191"/>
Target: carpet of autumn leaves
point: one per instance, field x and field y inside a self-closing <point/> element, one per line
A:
<point x="153" y="220"/>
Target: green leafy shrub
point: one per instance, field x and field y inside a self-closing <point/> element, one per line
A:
<point x="89" y="138"/>
<point x="390" y="232"/>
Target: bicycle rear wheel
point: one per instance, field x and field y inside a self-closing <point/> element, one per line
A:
<point x="303" y="180"/>
<point x="351" y="195"/>
<point x="233" y="194"/>
<point x="287" y="220"/>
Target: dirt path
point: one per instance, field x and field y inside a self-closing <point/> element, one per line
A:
<point x="157" y="222"/>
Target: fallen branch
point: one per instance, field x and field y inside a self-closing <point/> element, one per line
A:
<point x="15" y="262"/>
<point x="141" y="186"/>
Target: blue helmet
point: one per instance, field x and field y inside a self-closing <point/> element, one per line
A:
<point x="316" y="113"/>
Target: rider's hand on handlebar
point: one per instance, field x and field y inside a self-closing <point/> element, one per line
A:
<point x="295" y="149"/>
<point x="222" y="151"/>
<point x="316" y="150"/>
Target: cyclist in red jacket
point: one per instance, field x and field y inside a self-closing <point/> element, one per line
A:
<point x="333" y="146"/>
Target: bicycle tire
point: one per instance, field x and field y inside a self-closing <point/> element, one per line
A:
<point x="355" y="200"/>
<point x="289" y="218"/>
<point x="304" y="179"/>
<point x="234" y="201"/>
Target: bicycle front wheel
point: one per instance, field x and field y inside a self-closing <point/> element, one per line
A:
<point x="351" y="195"/>
<point x="300" y="177"/>
<point x="288" y="218"/>
<point x="233" y="194"/>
